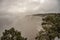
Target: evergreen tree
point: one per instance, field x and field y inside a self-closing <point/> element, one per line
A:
<point x="51" y="28"/>
<point x="12" y="34"/>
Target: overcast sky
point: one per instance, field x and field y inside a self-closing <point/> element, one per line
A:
<point x="27" y="6"/>
<point x="14" y="12"/>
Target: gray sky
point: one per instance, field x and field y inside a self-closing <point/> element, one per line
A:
<point x="27" y="6"/>
<point x="14" y="13"/>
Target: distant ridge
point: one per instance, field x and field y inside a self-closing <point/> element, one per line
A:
<point x="46" y="14"/>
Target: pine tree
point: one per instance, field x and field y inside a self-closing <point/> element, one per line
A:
<point x="12" y="34"/>
<point x="51" y="28"/>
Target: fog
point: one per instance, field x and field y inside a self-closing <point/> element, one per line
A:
<point x="18" y="14"/>
<point x="28" y="25"/>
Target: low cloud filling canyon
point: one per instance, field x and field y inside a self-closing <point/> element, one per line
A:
<point x="19" y="14"/>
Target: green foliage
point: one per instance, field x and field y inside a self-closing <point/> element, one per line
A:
<point x="12" y="34"/>
<point x="51" y="26"/>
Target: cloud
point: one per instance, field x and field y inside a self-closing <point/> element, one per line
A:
<point x="24" y="6"/>
<point x="14" y="11"/>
